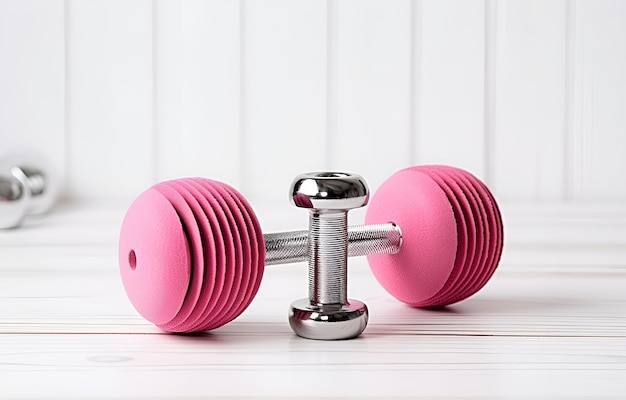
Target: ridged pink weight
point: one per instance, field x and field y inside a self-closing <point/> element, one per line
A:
<point x="472" y="212"/>
<point x="189" y="219"/>
<point x="452" y="235"/>
<point x="155" y="268"/>
<point x="191" y="254"/>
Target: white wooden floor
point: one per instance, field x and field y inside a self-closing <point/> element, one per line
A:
<point x="68" y="331"/>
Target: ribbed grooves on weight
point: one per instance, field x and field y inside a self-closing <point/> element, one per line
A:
<point x="479" y="233"/>
<point x="227" y="252"/>
<point x="328" y="248"/>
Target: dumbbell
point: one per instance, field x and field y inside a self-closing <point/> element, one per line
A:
<point x="26" y="188"/>
<point x="192" y="254"/>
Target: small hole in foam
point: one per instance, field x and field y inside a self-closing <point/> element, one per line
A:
<point x="132" y="260"/>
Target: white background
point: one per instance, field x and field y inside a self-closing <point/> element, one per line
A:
<point x="528" y="95"/>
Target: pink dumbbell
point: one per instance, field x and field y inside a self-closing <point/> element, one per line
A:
<point x="192" y="254"/>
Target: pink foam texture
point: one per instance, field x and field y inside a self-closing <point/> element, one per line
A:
<point x="191" y="254"/>
<point x="452" y="235"/>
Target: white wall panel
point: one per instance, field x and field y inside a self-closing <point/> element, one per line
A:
<point x="449" y="108"/>
<point x="198" y="89"/>
<point x="110" y="101"/>
<point x="370" y="87"/>
<point x="32" y="79"/>
<point x="528" y="154"/>
<point x="599" y="118"/>
<point x="284" y="89"/>
<point x="171" y="145"/>
<point x="528" y="94"/>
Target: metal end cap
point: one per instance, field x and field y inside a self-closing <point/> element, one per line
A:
<point x="328" y="322"/>
<point x="329" y="191"/>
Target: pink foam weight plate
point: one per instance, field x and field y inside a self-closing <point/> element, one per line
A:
<point x="420" y="207"/>
<point x="491" y="236"/>
<point x="215" y="259"/>
<point x="246" y="259"/>
<point x="499" y="233"/>
<point x="462" y="238"/>
<point x="250" y="224"/>
<point x="486" y="265"/>
<point x="494" y="222"/>
<point x="226" y="295"/>
<point x="254" y="253"/>
<point x="155" y="268"/>
<point x="471" y="217"/>
<point x="477" y="214"/>
<point x="191" y="254"/>
<point x="229" y="297"/>
<point x="495" y="211"/>
<point x="488" y="238"/>
<point x="248" y="270"/>
<point x="170" y="190"/>
<point x="207" y="240"/>
<point x="464" y="218"/>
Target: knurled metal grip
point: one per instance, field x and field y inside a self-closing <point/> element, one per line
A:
<point x="327" y="313"/>
<point x="292" y="247"/>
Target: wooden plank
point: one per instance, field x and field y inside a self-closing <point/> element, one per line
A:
<point x="284" y="95"/>
<point x="528" y="155"/>
<point x="198" y="89"/>
<point x="110" y="148"/>
<point x="32" y="80"/>
<point x="371" y="104"/>
<point x="71" y="330"/>
<point x="450" y="89"/>
<point x="599" y="101"/>
<point x="275" y="365"/>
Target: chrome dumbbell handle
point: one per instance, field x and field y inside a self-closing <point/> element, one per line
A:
<point x="327" y="313"/>
<point x="291" y="247"/>
<point x="328" y="257"/>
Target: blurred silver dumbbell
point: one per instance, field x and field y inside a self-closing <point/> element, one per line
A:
<point x="27" y="187"/>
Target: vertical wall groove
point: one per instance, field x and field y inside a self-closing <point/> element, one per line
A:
<point x="414" y="76"/>
<point x="67" y="95"/>
<point x="490" y="87"/>
<point x="332" y="45"/>
<point x="569" y="157"/>
<point x="155" y="94"/>
<point x="243" y="182"/>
